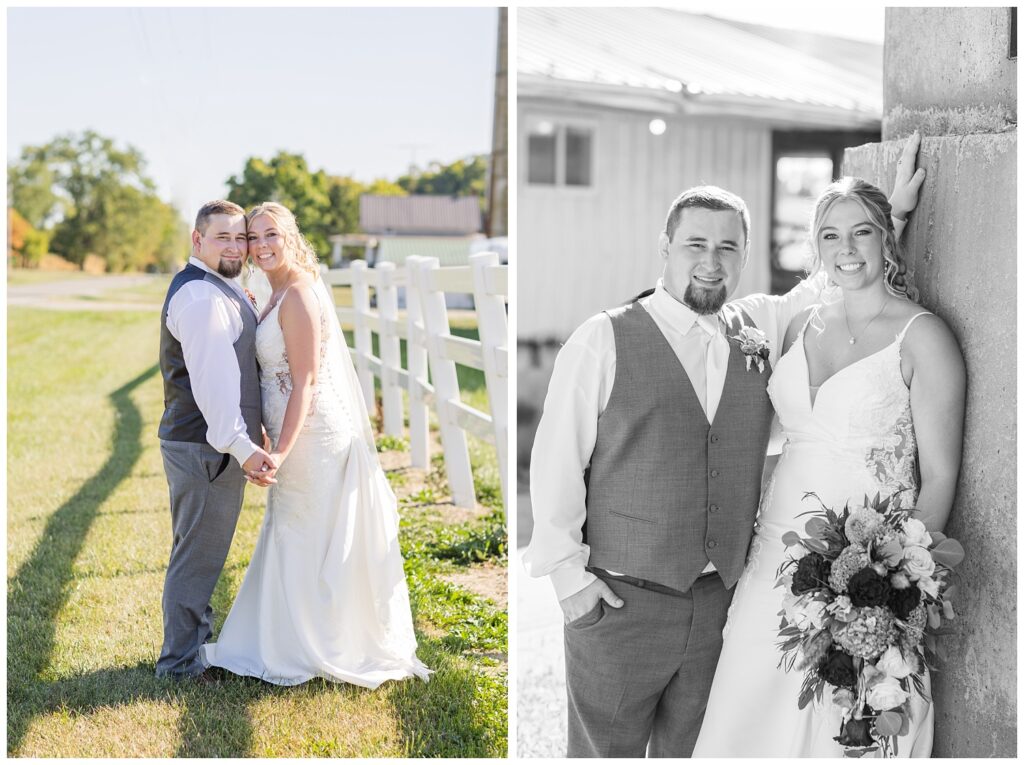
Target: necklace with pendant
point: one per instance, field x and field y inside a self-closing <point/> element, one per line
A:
<point x="846" y="318"/>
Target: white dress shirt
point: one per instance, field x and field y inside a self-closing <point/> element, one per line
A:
<point x="580" y="386"/>
<point x="204" y="321"/>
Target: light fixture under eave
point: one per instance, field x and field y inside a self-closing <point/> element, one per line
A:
<point x="657" y="126"/>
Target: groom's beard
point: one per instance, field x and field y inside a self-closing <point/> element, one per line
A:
<point x="229" y="268"/>
<point x="704" y="301"/>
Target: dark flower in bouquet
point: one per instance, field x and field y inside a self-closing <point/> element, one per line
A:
<point x="838" y="670"/>
<point x="855" y="733"/>
<point x="868" y="588"/>
<point x="903" y="602"/>
<point x="812" y="572"/>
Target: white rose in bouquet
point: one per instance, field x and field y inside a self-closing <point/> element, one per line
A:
<point x="886" y="694"/>
<point x="918" y="563"/>
<point x="915" y="533"/>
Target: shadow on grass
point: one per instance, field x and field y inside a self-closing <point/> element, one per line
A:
<point x="39" y="590"/>
<point x="214" y="721"/>
<point x="209" y="725"/>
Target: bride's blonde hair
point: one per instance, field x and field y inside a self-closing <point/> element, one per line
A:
<point x="297" y="244"/>
<point x="872" y="200"/>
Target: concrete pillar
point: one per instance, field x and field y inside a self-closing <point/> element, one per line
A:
<point x="947" y="73"/>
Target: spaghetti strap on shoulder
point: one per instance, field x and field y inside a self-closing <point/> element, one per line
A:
<point x="902" y="334"/>
<point x="811" y="314"/>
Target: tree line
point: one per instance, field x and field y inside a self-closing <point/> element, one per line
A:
<point x="81" y="195"/>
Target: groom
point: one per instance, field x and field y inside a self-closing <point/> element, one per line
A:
<point x="645" y="477"/>
<point x="210" y="427"/>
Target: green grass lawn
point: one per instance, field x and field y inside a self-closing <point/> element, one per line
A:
<point x="88" y="539"/>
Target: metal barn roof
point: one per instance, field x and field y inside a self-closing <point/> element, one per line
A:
<point x="420" y="214"/>
<point x="659" y="59"/>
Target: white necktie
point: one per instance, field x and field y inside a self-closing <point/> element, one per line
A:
<point x="716" y="359"/>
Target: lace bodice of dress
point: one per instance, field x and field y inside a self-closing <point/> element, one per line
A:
<point x="325" y="410"/>
<point x="860" y="415"/>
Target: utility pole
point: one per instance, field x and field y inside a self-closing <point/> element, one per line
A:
<point x="497" y="185"/>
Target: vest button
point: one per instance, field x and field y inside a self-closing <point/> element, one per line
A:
<point x="714" y="474"/>
<point x="713" y="508"/>
<point x="714" y="438"/>
<point x="710" y="543"/>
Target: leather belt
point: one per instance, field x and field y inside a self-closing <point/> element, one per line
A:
<point x="645" y="583"/>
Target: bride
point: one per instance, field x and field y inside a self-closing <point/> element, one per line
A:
<point x="870" y="394"/>
<point x="325" y="593"/>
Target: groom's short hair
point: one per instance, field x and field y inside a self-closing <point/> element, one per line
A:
<point x="707" y="198"/>
<point x="216" y="207"/>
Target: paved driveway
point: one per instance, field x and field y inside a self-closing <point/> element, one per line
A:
<point x="67" y="295"/>
<point x="540" y="664"/>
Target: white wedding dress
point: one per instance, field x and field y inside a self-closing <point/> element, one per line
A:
<point x="325" y="592"/>
<point x="854" y="437"/>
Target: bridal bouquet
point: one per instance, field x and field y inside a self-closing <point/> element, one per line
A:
<point x="863" y="607"/>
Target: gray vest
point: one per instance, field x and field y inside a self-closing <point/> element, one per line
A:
<point x="182" y="420"/>
<point x="666" y="491"/>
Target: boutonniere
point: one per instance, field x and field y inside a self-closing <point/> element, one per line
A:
<point x="252" y="298"/>
<point x="754" y="345"/>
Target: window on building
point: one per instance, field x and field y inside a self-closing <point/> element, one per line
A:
<point x="559" y="154"/>
<point x="542" y="153"/>
<point x="805" y="162"/>
<point x="577" y="157"/>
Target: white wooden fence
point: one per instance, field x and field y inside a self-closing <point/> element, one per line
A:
<point x="430" y="344"/>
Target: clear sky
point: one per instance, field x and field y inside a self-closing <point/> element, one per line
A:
<point x="358" y="91"/>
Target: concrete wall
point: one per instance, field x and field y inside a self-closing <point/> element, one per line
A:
<point x="961" y="245"/>
<point x="947" y="71"/>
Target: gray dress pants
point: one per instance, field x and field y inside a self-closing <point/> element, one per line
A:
<point x="206" y="490"/>
<point x="638" y="677"/>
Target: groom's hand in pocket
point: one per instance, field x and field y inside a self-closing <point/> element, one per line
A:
<point x="581" y="603"/>
<point x="260" y="468"/>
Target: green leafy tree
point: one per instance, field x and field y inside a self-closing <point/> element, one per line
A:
<point x="464" y="177"/>
<point x="101" y="199"/>
<point x="287" y="179"/>
<point x="37" y="244"/>
<point x="31" y="187"/>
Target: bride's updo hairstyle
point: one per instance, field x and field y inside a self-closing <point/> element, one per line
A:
<point x="301" y="250"/>
<point x="879" y="212"/>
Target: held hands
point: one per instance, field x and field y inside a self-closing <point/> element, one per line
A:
<point x="261" y="467"/>
<point x="908" y="179"/>
<point x="581" y="603"/>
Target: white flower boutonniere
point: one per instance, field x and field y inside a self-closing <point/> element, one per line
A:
<point x="754" y="345"/>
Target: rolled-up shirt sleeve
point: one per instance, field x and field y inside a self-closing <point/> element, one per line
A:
<point x="579" y="387"/>
<point x="207" y="326"/>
